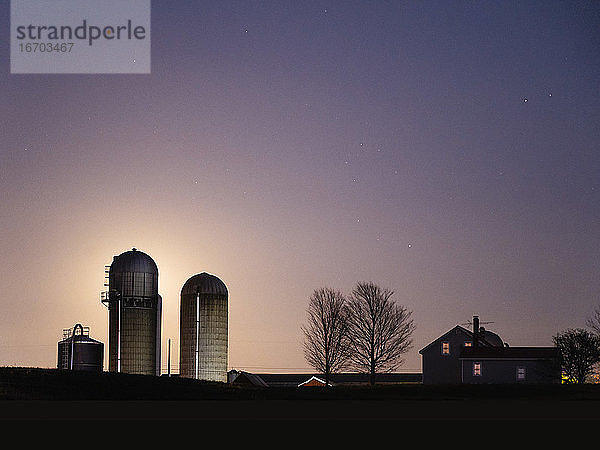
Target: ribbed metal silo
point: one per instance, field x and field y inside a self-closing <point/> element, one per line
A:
<point x="134" y="308"/>
<point x="77" y="351"/>
<point x="203" y="334"/>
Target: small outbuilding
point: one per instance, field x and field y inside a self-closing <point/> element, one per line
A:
<point x="291" y="380"/>
<point x="314" y="381"/>
<point x="245" y="378"/>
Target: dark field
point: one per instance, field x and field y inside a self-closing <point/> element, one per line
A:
<point x="30" y="393"/>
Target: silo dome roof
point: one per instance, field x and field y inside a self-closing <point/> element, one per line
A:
<point x="133" y="261"/>
<point x="204" y="283"/>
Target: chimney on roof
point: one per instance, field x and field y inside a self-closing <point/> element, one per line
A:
<point x="475" y="331"/>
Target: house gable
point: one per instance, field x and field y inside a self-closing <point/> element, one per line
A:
<point x="456" y="333"/>
<point x="440" y="358"/>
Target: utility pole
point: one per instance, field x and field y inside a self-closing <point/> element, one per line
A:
<point x="169" y="359"/>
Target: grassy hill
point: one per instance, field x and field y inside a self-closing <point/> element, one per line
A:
<point x="50" y="393"/>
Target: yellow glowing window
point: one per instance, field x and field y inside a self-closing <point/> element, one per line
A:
<point x="445" y="348"/>
<point x="468" y="344"/>
<point x="476" y="369"/>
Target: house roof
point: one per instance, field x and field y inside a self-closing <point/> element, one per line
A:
<point x="509" y="353"/>
<point x="458" y="328"/>
<point x="241" y="377"/>
<point x="318" y="380"/>
<point x="486" y="337"/>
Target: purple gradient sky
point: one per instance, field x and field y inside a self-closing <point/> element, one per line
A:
<point x="285" y="146"/>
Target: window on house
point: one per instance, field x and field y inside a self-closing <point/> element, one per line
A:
<point x="445" y="348"/>
<point x="520" y="373"/>
<point x="476" y="369"/>
<point x="468" y="344"/>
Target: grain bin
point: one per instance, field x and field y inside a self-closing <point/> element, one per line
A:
<point x="78" y="351"/>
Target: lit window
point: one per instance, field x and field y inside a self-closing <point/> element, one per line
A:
<point x="445" y="348"/>
<point x="520" y="373"/>
<point x="476" y="369"/>
<point x="468" y="344"/>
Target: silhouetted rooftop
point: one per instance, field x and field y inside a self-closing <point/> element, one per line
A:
<point x="509" y="352"/>
<point x="294" y="379"/>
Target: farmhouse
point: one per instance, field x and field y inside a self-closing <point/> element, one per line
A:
<point x="480" y="356"/>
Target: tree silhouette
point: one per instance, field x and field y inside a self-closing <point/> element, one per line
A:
<point x="380" y="331"/>
<point x="326" y="334"/>
<point x="578" y="350"/>
<point x="593" y="321"/>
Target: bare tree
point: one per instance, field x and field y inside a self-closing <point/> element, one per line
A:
<point x="325" y="335"/>
<point x="579" y="350"/>
<point x="593" y="321"/>
<point x="380" y="331"/>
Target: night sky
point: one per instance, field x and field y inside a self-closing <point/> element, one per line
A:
<point x="446" y="150"/>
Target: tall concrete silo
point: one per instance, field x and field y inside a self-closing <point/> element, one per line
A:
<point x="78" y="351"/>
<point x="134" y="309"/>
<point x="203" y="328"/>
